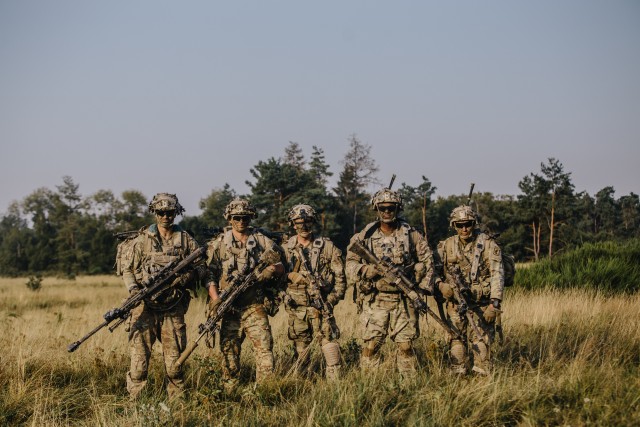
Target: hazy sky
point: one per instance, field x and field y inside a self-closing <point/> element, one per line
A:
<point x="187" y="96"/>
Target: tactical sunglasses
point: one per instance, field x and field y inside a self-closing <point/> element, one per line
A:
<point x="305" y="223"/>
<point x="241" y="218"/>
<point x="166" y="213"/>
<point x="466" y="224"/>
<point x="386" y="208"/>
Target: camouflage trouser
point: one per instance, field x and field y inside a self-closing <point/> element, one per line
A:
<point x="305" y="323"/>
<point x="481" y="352"/>
<point x="169" y="328"/>
<point x="251" y="321"/>
<point x="393" y="313"/>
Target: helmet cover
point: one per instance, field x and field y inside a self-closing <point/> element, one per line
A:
<point x="302" y="211"/>
<point x="386" y="195"/>
<point x="165" y="202"/>
<point x="239" y="207"/>
<point x="462" y="213"/>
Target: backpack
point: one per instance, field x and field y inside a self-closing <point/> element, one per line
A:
<point x="127" y="240"/>
<point x="509" y="265"/>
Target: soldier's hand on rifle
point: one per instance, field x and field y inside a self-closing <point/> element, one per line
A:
<point x="370" y="272"/>
<point x="492" y="311"/>
<point x="297" y="279"/>
<point x="270" y="272"/>
<point x="183" y="279"/>
<point x="134" y="288"/>
<point x="445" y="290"/>
<point x="212" y="307"/>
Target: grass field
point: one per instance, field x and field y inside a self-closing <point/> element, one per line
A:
<point x="571" y="357"/>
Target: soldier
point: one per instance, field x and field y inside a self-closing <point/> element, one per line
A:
<point x="307" y="290"/>
<point x="385" y="309"/>
<point x="163" y="318"/>
<point x="479" y="260"/>
<point x="235" y="252"/>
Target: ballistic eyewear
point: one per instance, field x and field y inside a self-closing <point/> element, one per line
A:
<point x="466" y="224"/>
<point x="387" y="208"/>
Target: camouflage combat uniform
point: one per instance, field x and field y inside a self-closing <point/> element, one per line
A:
<point x="480" y="262"/>
<point x="228" y="258"/>
<point x="385" y="309"/>
<point x="162" y="319"/>
<point x="306" y="321"/>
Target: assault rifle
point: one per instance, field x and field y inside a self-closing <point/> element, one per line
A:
<point x="397" y="277"/>
<point x="460" y="290"/>
<point x="228" y="296"/>
<point x="317" y="300"/>
<point x="151" y="288"/>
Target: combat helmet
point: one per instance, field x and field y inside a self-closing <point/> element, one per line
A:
<point x="165" y="202"/>
<point x="302" y="211"/>
<point x="386" y="195"/>
<point x="239" y="207"/>
<point x="462" y="213"/>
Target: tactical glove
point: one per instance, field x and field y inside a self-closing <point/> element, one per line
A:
<point x="491" y="312"/>
<point x="183" y="279"/>
<point x="134" y="288"/>
<point x="267" y="274"/>
<point x="212" y="307"/>
<point x="445" y="290"/>
<point x="370" y="272"/>
<point x="297" y="279"/>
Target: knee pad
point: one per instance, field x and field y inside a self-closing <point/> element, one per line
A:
<point x="458" y="352"/>
<point x="331" y="352"/>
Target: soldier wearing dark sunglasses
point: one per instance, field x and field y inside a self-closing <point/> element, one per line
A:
<point x="385" y="309"/>
<point x="235" y="253"/>
<point x="478" y="259"/>
<point x="160" y="319"/>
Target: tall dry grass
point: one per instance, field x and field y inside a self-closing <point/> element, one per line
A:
<point x="571" y="358"/>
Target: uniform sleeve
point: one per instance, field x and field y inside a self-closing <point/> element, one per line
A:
<point x="493" y="257"/>
<point x="277" y="283"/>
<point x="200" y="266"/>
<point x="424" y="259"/>
<point x="337" y="266"/>
<point x="353" y="264"/>
<point x="132" y="260"/>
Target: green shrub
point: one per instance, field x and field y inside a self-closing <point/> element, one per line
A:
<point x="605" y="266"/>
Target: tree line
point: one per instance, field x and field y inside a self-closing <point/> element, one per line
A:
<point x="61" y="232"/>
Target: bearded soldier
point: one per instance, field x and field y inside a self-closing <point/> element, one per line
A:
<point x="316" y="276"/>
<point x="473" y="272"/>
<point x="385" y="309"/>
<point x="163" y="317"/>
<point x="234" y="253"/>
